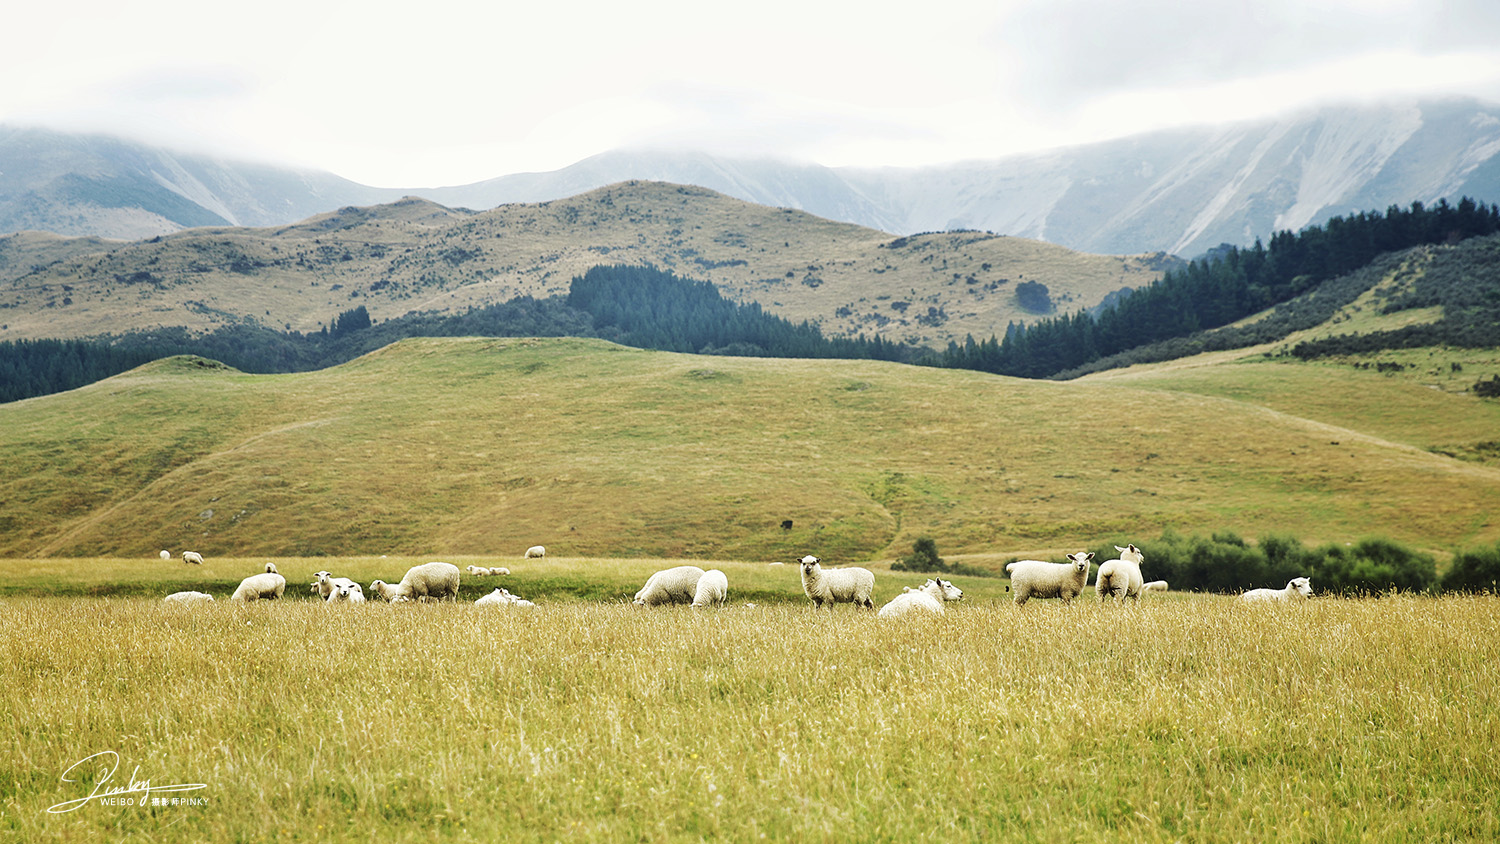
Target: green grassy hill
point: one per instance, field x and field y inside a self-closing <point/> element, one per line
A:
<point x="414" y="255"/>
<point x="485" y="446"/>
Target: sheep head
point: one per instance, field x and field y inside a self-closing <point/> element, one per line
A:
<point x="1131" y="554"/>
<point x="1302" y="585"/>
<point x="949" y="591"/>
<point x="1081" y="561"/>
<point x="810" y="567"/>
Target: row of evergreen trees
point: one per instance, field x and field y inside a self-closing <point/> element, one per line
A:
<point x="649" y="308"/>
<point x="1216" y="291"/>
<point x="637" y="306"/>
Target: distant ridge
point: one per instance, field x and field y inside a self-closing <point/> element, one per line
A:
<point x="1182" y="191"/>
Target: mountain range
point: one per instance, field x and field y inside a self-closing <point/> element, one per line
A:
<point x="415" y="256"/>
<point x="1182" y="191"/>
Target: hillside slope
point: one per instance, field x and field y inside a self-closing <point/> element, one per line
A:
<point x="485" y="446"/>
<point x="413" y="255"/>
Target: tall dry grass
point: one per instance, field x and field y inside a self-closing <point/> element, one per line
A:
<point x="1192" y="719"/>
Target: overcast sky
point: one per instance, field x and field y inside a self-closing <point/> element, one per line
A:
<point x="424" y="94"/>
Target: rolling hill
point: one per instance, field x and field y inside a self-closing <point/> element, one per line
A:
<point x="486" y="446"/>
<point x="416" y="256"/>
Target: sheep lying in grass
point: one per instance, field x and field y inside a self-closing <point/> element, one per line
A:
<point x="192" y="557"/>
<point x="165" y="555"/>
<point x="345" y="591"/>
<point x="712" y="589"/>
<point x="1121" y="578"/>
<point x="535" y="551"/>
<point x="1155" y="586"/>
<point x="502" y="598"/>
<point x="429" y="580"/>
<point x="260" y="587"/>
<point x="487" y="571"/>
<point x="271" y="568"/>
<point x="1296" y="589"/>
<point x="1036" y="579"/>
<point x="851" y="585"/>
<point x="678" y="585"/>
<point x="188" y="597"/>
<point x="929" y="597"/>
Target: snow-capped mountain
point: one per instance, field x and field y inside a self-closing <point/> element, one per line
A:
<point x="1180" y="191"/>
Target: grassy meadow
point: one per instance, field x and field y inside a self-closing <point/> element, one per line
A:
<point x="475" y="447"/>
<point x="1185" y="718"/>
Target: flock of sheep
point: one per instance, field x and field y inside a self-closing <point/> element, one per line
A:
<point x="429" y="580"/>
<point x="1119" y="578"/>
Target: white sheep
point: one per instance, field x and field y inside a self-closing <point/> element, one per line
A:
<point x="323" y="585"/>
<point x="165" y="555"/>
<point x="429" y="580"/>
<point x="535" y="551"/>
<point x="503" y="598"/>
<point x="192" y="557"/>
<point x="256" y="587"/>
<point x="1297" y="589"/>
<point x="345" y="591"/>
<point x="837" y="586"/>
<point x="1036" y="579"/>
<point x="1155" y="586"/>
<point x="188" y="597"/>
<point x="678" y="585"/>
<point x="483" y="571"/>
<point x="712" y="589"/>
<point x="1121" y="578"/>
<point x="929" y="597"/>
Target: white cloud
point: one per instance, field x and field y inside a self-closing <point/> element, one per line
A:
<point x="447" y="92"/>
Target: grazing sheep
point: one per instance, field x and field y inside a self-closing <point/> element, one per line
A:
<point x="929" y="597"/>
<point x="345" y="591"/>
<point x="677" y="585"/>
<point x="535" y="551"/>
<point x="503" y="598"/>
<point x="1121" y="578"/>
<point x="837" y="586"/>
<point x="165" y="555"/>
<point x="192" y="557"/>
<point x="712" y="589"/>
<point x="258" y="587"/>
<point x="429" y="580"/>
<point x="482" y="571"/>
<point x="1297" y="589"/>
<point x="188" y="597"/>
<point x="1036" y="579"/>
<point x="1155" y="586"/>
<point x="323" y="585"/>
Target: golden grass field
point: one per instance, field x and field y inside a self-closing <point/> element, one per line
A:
<point x="1185" y="718"/>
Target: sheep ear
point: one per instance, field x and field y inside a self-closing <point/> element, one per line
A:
<point x="1091" y="555"/>
<point x="1118" y="548"/>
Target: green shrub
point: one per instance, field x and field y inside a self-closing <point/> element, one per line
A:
<point x="1474" y="571"/>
